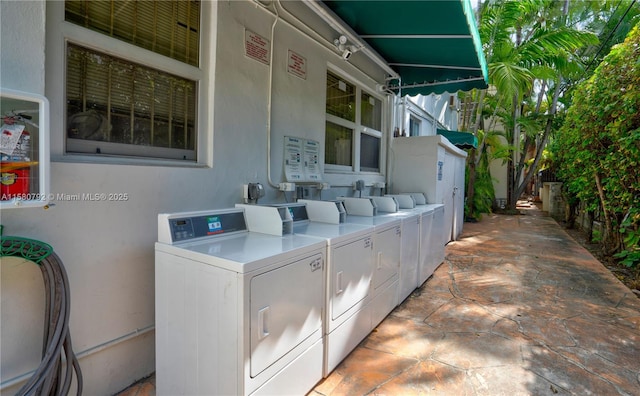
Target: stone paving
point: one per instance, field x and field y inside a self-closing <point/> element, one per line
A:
<point x="517" y="308"/>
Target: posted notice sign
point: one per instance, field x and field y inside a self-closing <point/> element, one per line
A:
<point x="256" y="47"/>
<point x="301" y="160"/>
<point x="297" y="65"/>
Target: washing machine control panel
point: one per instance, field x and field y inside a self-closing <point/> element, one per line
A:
<point x="205" y="225"/>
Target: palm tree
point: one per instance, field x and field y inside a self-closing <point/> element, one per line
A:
<point x="529" y="49"/>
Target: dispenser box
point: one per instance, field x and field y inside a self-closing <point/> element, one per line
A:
<point x="24" y="149"/>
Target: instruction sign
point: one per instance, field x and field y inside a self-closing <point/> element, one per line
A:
<point x="302" y="160"/>
<point x="312" y="160"/>
<point x="256" y="47"/>
<point x="297" y="65"/>
<point x="293" y="170"/>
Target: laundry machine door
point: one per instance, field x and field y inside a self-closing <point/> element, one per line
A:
<point x="387" y="260"/>
<point x="350" y="278"/>
<point x="286" y="308"/>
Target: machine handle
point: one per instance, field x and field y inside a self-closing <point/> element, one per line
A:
<point x="339" y="289"/>
<point x="263" y="317"/>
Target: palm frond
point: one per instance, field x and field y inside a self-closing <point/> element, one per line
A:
<point x="509" y="78"/>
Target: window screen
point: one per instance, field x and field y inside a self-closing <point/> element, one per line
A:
<point x="116" y="101"/>
<point x="341" y="98"/>
<point x="371" y="110"/>
<point x="369" y="153"/>
<point x="338" y="145"/>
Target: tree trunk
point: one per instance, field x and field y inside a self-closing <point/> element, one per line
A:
<point x="609" y="241"/>
<point x="543" y="141"/>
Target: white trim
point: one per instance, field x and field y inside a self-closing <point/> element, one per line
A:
<point x="417" y="36"/>
<point x="129" y="52"/>
<point x="60" y="32"/>
<point x="357" y="127"/>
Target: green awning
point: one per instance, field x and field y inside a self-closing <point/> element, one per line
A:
<point x="433" y="45"/>
<point x="463" y="140"/>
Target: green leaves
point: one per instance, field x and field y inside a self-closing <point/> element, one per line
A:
<point x="601" y="136"/>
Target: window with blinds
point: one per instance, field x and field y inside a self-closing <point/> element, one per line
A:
<point x="116" y="106"/>
<point x="112" y="100"/>
<point x="169" y="28"/>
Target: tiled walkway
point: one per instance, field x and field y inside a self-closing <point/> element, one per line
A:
<point x="517" y="308"/>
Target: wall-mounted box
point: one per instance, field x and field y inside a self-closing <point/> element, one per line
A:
<point x="24" y="149"/>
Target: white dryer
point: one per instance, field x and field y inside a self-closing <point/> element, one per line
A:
<point x="387" y="239"/>
<point x="348" y="318"/>
<point x="431" y="232"/>
<point x="237" y="312"/>
<point x="409" y="241"/>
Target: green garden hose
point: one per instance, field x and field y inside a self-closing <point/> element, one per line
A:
<point x="54" y="374"/>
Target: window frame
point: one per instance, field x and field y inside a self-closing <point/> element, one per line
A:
<point x="61" y="32"/>
<point x="357" y="127"/>
<point x="413" y="120"/>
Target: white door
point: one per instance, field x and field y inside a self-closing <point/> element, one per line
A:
<point x="458" y="197"/>
<point x="350" y="277"/>
<point x="286" y="308"/>
<point x="387" y="255"/>
<point x="449" y="179"/>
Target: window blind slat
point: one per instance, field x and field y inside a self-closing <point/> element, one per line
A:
<point x="170" y="28"/>
<point x="147" y="107"/>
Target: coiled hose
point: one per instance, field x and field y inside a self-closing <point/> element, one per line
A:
<point x="54" y="374"/>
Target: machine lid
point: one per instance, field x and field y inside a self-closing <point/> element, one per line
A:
<point x="333" y="233"/>
<point x="244" y="253"/>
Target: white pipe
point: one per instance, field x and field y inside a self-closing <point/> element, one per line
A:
<point x="270" y="94"/>
<point x="320" y="41"/>
<point x="135" y="333"/>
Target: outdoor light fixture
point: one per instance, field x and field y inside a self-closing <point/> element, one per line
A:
<point x="347" y="50"/>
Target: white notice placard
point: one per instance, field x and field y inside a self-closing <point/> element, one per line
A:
<point x="302" y="160"/>
<point x="256" y="47"/>
<point x="293" y="169"/>
<point x="297" y="65"/>
<point x="312" y="160"/>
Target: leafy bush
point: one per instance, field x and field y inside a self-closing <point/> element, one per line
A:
<point x="597" y="150"/>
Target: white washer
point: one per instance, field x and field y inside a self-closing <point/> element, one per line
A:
<point x="431" y="232"/>
<point x="409" y="246"/>
<point x="349" y="269"/>
<point x="387" y="239"/>
<point x="237" y="312"/>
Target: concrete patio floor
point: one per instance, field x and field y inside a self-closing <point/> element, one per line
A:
<point x="517" y="308"/>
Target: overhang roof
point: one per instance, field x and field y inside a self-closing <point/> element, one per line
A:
<point x="463" y="140"/>
<point x="433" y="45"/>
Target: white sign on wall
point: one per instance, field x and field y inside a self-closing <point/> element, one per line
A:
<point x="312" y="160"/>
<point x="302" y="160"/>
<point x="297" y="65"/>
<point x="256" y="47"/>
<point x="293" y="170"/>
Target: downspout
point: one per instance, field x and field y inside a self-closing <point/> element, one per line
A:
<point x="336" y="26"/>
<point x="269" y="100"/>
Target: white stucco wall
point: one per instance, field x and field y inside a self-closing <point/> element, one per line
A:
<point x="108" y="247"/>
<point x="432" y="110"/>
